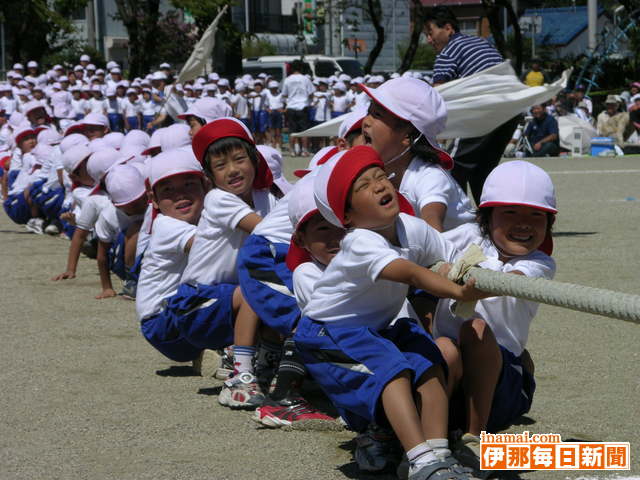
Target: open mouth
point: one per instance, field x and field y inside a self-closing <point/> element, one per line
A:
<point x="183" y="206"/>
<point x="367" y="138"/>
<point x="386" y="199"/>
<point x="520" y="237"/>
<point x="234" y="182"/>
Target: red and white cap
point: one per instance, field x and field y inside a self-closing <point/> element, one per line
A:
<point x="273" y="158"/>
<point x="98" y="144"/>
<point x="72" y="140"/>
<point x="99" y="163"/>
<point x="74" y="156"/>
<point x="74" y="128"/>
<point x="521" y="183"/>
<point x="231" y="127"/>
<point x="49" y="136"/>
<point x="22" y="132"/>
<point x="171" y="163"/>
<point x="321" y="157"/>
<point x="208" y="108"/>
<point x="175" y="136"/>
<point x="136" y="137"/>
<point x="114" y="139"/>
<point x="96" y="119"/>
<point x="302" y="206"/>
<point x="125" y="184"/>
<point x="418" y="103"/>
<point x="33" y="105"/>
<point x="334" y="179"/>
<point x="351" y="121"/>
<point x="155" y="142"/>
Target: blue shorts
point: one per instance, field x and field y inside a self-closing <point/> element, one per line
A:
<point x="134" y="271"/>
<point x="161" y="332"/>
<point x="17" y="208"/>
<point x="311" y="113"/>
<point x="354" y="364"/>
<point x="247" y="122"/>
<point x="115" y="257"/>
<point x="513" y="395"/>
<point x="50" y="203"/>
<point x="203" y="314"/>
<point x="337" y="114"/>
<point x="267" y="283"/>
<point x="35" y="190"/>
<point x="260" y="121"/>
<point x="275" y="119"/>
<point x="146" y="119"/>
<point x="79" y="116"/>
<point x="11" y="177"/>
<point x="133" y="123"/>
<point x="67" y="228"/>
<point x="115" y="122"/>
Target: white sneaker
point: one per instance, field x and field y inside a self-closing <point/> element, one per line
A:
<point x="51" y="229"/>
<point x="241" y="391"/>
<point x="34" y="225"/>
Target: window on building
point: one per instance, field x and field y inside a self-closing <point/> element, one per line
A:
<point x="469" y="26"/>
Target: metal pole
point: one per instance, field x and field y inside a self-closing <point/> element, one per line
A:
<point x="592" y="9"/>
<point x="246" y="16"/>
<point x="331" y="53"/>
<point x="533" y="37"/>
<point x="395" y="53"/>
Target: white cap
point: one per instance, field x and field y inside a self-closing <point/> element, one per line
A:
<point x="155" y="141"/>
<point x="273" y="84"/>
<point x="111" y="90"/>
<point x="274" y="161"/>
<point x="100" y="71"/>
<point x="223" y="82"/>
<point x="73" y="157"/>
<point x="340" y="86"/>
<point x="91" y="67"/>
<point x="208" y="108"/>
<point x="165" y="65"/>
<point x="158" y="76"/>
<point x="32" y="64"/>
<point x="519" y="183"/>
<point x="85" y="58"/>
<point x="63" y="78"/>
<point x="57" y="66"/>
<point x="98" y="144"/>
<point x="343" y="77"/>
<point x="115" y="70"/>
<point x="18" y="66"/>
<point x="78" y="68"/>
<point x="33" y="105"/>
<point x="131" y="90"/>
<point x="351" y="121"/>
<point x="73" y="140"/>
<point x="416" y="102"/>
<point x="96" y="88"/>
<point x="173" y="162"/>
<point x="21" y="132"/>
<point x="136" y="137"/>
<point x="96" y="119"/>
<point x="49" y="136"/>
<point x="124" y="184"/>
<point x="100" y="161"/>
<point x="176" y="136"/>
<point x="111" y="64"/>
<point x="114" y="139"/>
<point x="214" y="76"/>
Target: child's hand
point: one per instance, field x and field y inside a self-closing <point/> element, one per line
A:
<point x="107" y="293"/>
<point x="469" y="293"/>
<point x="444" y="269"/>
<point x="64" y="276"/>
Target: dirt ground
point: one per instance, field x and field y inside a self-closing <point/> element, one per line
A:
<point x="85" y="397"/>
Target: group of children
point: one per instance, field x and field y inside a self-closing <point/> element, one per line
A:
<point x="341" y="278"/>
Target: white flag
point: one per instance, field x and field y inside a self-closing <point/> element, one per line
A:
<point x="201" y="52"/>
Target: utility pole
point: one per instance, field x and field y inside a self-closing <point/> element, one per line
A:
<point x="592" y="10"/>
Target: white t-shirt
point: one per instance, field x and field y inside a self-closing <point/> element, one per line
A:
<point x="96" y="105"/>
<point x="130" y="109"/>
<point x="297" y="88"/>
<point x="350" y="293"/>
<point x="508" y="317"/>
<point x="257" y="101"/>
<point x="340" y="104"/>
<point x="274" y="102"/>
<point x="112" y="105"/>
<point x="111" y="222"/>
<point x="362" y="101"/>
<point x="148" y="107"/>
<point x="162" y="264"/>
<point x="321" y="103"/>
<point x="240" y="106"/>
<point x="91" y="208"/>
<point x="214" y="254"/>
<point x="424" y="183"/>
<point x="79" y="107"/>
<point x="144" y="235"/>
<point x="276" y="226"/>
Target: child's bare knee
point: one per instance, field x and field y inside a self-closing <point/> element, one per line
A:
<point x="475" y="330"/>
<point x="448" y="349"/>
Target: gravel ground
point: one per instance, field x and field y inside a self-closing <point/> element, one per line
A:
<point x="85" y="396"/>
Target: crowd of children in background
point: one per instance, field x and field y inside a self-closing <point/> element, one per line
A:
<point x="340" y="279"/>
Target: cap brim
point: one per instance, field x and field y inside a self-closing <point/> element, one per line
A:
<point x="296" y="256"/>
<point x="150" y="150"/>
<point x="301" y="173"/>
<point x="502" y="204"/>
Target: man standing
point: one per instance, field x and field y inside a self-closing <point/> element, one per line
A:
<point x="461" y="55"/>
<point x="542" y="133"/>
<point x="297" y="90"/>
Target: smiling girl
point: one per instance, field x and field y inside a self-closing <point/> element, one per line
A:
<point x="486" y="355"/>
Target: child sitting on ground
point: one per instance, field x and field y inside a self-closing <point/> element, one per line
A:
<point x="488" y="363"/>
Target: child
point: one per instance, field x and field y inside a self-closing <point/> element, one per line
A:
<point x="96" y="101"/>
<point x="240" y="198"/>
<point x="178" y="188"/>
<point x="203" y="111"/>
<point x="259" y="114"/>
<point x="131" y="110"/>
<point x="340" y="102"/>
<point x="275" y="107"/>
<point x="486" y="355"/>
<point x="148" y="109"/>
<point x="79" y="106"/>
<point x="370" y="369"/>
<point x="112" y="106"/>
<point x="118" y="226"/>
<point x="405" y="117"/>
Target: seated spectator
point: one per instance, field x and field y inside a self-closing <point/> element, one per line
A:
<point x="582" y="111"/>
<point x="534" y="77"/>
<point x="612" y="122"/>
<point x="542" y="133"/>
<point x="579" y="96"/>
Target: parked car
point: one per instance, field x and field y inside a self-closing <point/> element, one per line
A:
<point x="279" y="66"/>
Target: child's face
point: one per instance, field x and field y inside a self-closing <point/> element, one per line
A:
<point x="320" y="238"/>
<point x="27" y="144"/>
<point x="137" y="207"/>
<point x="517" y="230"/>
<point x="37" y="116"/>
<point x="380" y="129"/>
<point x="94" y="131"/>
<point x="194" y="125"/>
<point x="233" y="171"/>
<point x="80" y="175"/>
<point x="374" y="201"/>
<point x="180" y="196"/>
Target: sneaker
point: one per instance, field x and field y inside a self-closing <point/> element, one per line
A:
<point x="241" y="391"/>
<point x="266" y="366"/>
<point x="282" y="413"/>
<point x="467" y="451"/>
<point x="129" y="289"/>
<point x="34" y="225"/>
<point x="51" y="229"/>
<point x="376" y="449"/>
<point x="206" y="363"/>
<point x="225" y="369"/>
<point x="448" y="468"/>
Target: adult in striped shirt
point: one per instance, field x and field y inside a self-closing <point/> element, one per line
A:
<point x="461" y="55"/>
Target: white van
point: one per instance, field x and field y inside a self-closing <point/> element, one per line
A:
<point x="279" y="66"/>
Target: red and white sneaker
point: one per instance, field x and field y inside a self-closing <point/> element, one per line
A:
<point x="287" y="411"/>
<point x="241" y="391"/>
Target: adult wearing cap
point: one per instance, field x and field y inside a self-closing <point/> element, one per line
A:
<point x="580" y="96"/>
<point x="461" y="55"/>
<point x="543" y="133"/>
<point x="297" y="90"/>
<point x="614" y="123"/>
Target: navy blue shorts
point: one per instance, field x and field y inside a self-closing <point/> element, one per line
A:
<point x="260" y="120"/>
<point x="337" y="114"/>
<point x="36" y="188"/>
<point x="514" y="392"/>
<point x="115" y="257"/>
<point x="146" y="119"/>
<point x="354" y="364"/>
<point x="133" y="123"/>
<point x="115" y="122"/>
<point x="267" y="283"/>
<point x="17" y="208"/>
<point x="162" y="333"/>
<point x="134" y="271"/>
<point x="275" y="119"/>
<point x="50" y="202"/>
<point x="11" y="177"/>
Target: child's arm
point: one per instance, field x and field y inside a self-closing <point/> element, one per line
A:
<point x="404" y="271"/>
<point x="103" y="269"/>
<point x="79" y="236"/>
<point x="433" y="213"/>
<point x="248" y="223"/>
<point x="5" y="189"/>
<point x="187" y="246"/>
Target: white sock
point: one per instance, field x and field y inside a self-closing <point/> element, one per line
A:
<point x="440" y="447"/>
<point x="419" y="456"/>
<point x="243" y="359"/>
